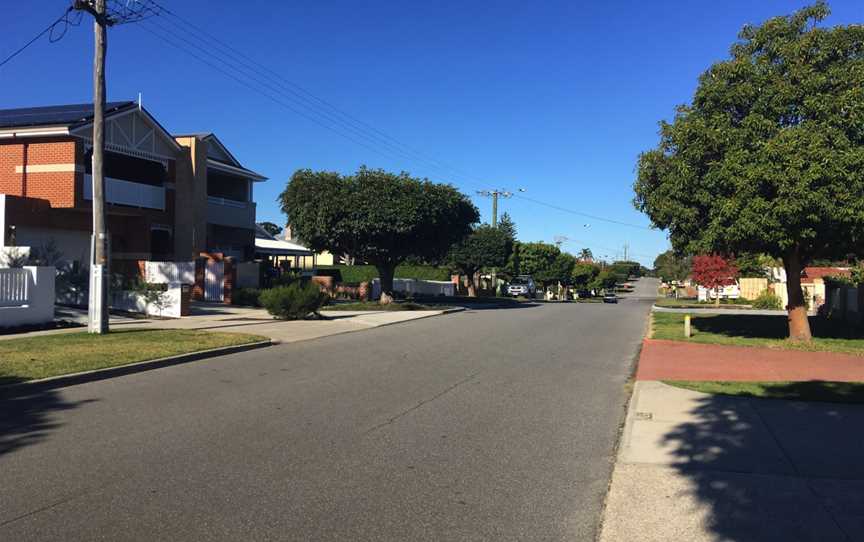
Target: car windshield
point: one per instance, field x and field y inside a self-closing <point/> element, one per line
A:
<point x="518" y="282"/>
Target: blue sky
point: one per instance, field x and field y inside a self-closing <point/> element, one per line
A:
<point x="557" y="98"/>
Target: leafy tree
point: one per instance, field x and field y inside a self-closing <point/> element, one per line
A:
<point x="506" y="224"/>
<point x="605" y="280"/>
<point x="270" y="227"/>
<point x="754" y="265"/>
<point x="485" y="247"/>
<point x="769" y="157"/>
<point x="586" y="255"/>
<point x="378" y="217"/>
<point x="668" y="266"/>
<point x="538" y="260"/>
<point x="714" y="272"/>
<point x="583" y="274"/>
<point x="627" y="269"/>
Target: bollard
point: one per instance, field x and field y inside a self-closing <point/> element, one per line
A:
<point x="687" y="325"/>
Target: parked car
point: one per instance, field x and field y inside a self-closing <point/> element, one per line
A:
<point x="610" y="297"/>
<point x="522" y="285"/>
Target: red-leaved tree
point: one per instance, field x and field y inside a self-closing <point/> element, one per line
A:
<point x="714" y="272"/>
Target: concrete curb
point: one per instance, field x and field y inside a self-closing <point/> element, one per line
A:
<point x="130" y="368"/>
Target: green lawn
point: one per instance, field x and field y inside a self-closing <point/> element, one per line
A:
<point x="757" y="330"/>
<point x="375" y="306"/>
<point x="832" y="392"/>
<point x="671" y="302"/>
<point x="52" y="355"/>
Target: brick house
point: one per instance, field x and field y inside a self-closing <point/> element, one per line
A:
<point x="167" y="198"/>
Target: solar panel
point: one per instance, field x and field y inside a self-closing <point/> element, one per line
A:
<point x="53" y="114"/>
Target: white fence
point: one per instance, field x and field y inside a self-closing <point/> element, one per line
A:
<point x="727" y="292"/>
<point x="416" y="287"/>
<point x="26" y="295"/>
<point x="167" y="272"/>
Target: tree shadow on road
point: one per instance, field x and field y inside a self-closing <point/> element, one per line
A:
<point x="26" y="414"/>
<point x="773" y="470"/>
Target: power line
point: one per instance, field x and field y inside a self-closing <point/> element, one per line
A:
<point x="579" y="213"/>
<point x="310" y="106"/>
<point x="66" y="20"/>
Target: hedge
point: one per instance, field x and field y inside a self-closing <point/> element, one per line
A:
<point x="355" y="274"/>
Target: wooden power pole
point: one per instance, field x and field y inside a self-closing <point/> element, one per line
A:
<point x="97" y="311"/>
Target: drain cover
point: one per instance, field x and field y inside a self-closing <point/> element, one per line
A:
<point x="644" y="416"/>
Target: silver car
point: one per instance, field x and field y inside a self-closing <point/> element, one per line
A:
<point x="522" y="285"/>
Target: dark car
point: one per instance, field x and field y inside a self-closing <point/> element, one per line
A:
<point x="610" y="297"/>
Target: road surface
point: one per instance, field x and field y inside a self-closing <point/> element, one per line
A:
<point x="496" y="424"/>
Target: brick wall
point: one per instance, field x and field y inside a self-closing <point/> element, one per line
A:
<point x="57" y="187"/>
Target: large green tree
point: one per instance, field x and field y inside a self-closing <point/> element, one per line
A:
<point x="378" y="217"/>
<point x="486" y="247"/>
<point x="545" y="263"/>
<point x="769" y="157"/>
<point x="669" y="266"/>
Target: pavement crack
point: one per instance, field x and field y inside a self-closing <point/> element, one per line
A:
<point x="421" y="403"/>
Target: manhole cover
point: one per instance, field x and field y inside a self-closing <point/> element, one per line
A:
<point x="644" y="416"/>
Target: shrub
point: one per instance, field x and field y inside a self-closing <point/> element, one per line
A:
<point x="246" y="296"/>
<point x="355" y="274"/>
<point x="767" y="300"/>
<point x="295" y="301"/>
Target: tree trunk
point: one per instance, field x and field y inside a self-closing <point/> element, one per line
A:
<point x="472" y="284"/>
<point x="799" y="325"/>
<point x="717" y="301"/>
<point x="385" y="273"/>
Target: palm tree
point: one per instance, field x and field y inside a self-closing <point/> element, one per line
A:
<point x="586" y="255"/>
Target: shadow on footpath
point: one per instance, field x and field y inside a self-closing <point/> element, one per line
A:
<point x="774" y="470"/>
<point x="26" y="414"/>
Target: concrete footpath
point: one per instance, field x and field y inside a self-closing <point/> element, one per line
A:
<point x="216" y="317"/>
<point x="700" y="467"/>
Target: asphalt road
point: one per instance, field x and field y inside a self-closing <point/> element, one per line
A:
<point x="483" y="425"/>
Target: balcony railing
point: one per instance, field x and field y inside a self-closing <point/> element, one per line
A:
<point x="122" y="192"/>
<point x="229" y="212"/>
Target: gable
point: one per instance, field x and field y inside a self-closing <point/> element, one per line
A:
<point x="136" y="133"/>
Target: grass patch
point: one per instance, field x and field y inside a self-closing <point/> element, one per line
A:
<point x="814" y="390"/>
<point x="52" y="355"/>
<point x="375" y="306"/>
<point x="758" y="330"/>
<point x="672" y="303"/>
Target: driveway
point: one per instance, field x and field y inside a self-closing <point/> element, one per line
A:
<point x="492" y="424"/>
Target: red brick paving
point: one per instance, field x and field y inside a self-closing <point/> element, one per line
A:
<point x="678" y="360"/>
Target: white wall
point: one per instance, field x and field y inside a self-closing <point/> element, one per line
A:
<point x="39" y="305"/>
<point x="416" y="287"/>
<point x="135" y="302"/>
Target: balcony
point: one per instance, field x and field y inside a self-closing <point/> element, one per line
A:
<point x="120" y="192"/>
<point x="229" y="212"/>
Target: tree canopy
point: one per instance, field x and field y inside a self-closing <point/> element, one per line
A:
<point x="769" y="157"/>
<point x="485" y="247"/>
<point x="668" y="266"/>
<point x="270" y="227"/>
<point x="376" y="216"/>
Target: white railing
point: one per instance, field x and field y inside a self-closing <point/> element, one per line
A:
<point x="13" y="287"/>
<point x="128" y="193"/>
<point x="165" y="272"/>
<point x="229" y="212"/>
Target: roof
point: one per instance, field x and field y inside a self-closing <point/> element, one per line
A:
<point x="812" y="273"/>
<point x="53" y="115"/>
<point x="274" y="246"/>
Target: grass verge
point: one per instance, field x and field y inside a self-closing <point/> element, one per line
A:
<point x="814" y="390"/>
<point x="672" y="303"/>
<point x="44" y="356"/>
<point x="758" y="330"/>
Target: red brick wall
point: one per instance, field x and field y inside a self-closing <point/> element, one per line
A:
<point x="56" y="187"/>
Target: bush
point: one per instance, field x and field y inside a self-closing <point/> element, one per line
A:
<point x="246" y="296"/>
<point x="295" y="301"/>
<point x="767" y="300"/>
<point x="355" y="274"/>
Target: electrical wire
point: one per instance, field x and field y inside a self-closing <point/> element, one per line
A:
<point x="66" y="20"/>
